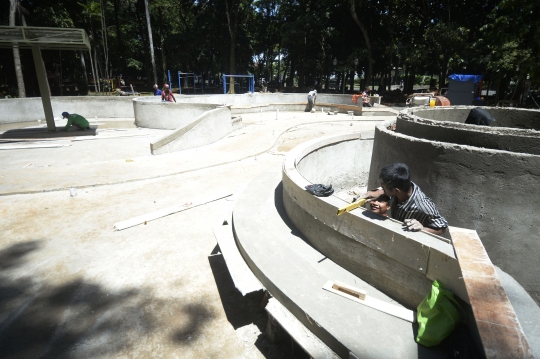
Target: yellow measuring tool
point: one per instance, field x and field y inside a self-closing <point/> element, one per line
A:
<point x="351" y="206"/>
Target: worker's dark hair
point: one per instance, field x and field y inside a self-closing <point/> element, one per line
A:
<point x="383" y="198"/>
<point x="397" y="176"/>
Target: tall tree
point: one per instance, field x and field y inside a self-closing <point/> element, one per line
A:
<point x="352" y="8"/>
<point x="232" y="8"/>
<point x="150" y="40"/>
<point x="15" y="7"/>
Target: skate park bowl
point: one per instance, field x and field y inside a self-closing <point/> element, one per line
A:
<point x="30" y="109"/>
<point x="479" y="177"/>
<point x="294" y="243"/>
<point x="197" y="120"/>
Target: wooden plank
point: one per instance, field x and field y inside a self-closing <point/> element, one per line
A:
<point x="243" y="278"/>
<point x="382" y="306"/>
<point x="311" y="344"/>
<point x="166" y="211"/>
<point x="499" y="328"/>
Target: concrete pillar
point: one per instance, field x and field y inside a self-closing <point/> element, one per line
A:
<point x="44" y="88"/>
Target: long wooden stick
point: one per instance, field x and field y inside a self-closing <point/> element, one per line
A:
<point x="166" y="211"/>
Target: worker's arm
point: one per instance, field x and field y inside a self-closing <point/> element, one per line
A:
<point x="68" y="125"/>
<point x="414" y="225"/>
<point x="374" y="193"/>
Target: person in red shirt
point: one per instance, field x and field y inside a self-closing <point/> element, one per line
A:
<point x="167" y="95"/>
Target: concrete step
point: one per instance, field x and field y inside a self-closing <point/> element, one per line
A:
<point x="294" y="273"/>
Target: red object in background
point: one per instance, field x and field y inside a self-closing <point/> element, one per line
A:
<point x="441" y="101"/>
<point x="355" y="98"/>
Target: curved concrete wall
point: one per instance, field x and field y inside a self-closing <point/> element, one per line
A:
<point x="499" y="138"/>
<point x="344" y="169"/>
<point x="504" y="116"/>
<point x="31" y="109"/>
<point x="401" y="264"/>
<point x="491" y="191"/>
<point x="205" y="129"/>
<point x="151" y="112"/>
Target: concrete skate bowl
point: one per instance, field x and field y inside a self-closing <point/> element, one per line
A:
<point x="194" y="124"/>
<point x="401" y="264"/>
<point x="294" y="242"/>
<point x="483" y="178"/>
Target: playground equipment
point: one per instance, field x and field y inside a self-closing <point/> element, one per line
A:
<point x="196" y="78"/>
<point x="251" y="82"/>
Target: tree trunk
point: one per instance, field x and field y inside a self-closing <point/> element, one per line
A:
<point x="97" y="84"/>
<point x="16" y="54"/>
<point x="83" y="65"/>
<point x="162" y="42"/>
<point x="120" y="44"/>
<point x="232" y="22"/>
<point x="93" y="72"/>
<point x="150" y="41"/>
<point x="279" y="67"/>
<point x="366" y="38"/>
<point x="104" y="36"/>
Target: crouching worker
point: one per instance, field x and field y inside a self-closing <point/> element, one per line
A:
<point x="408" y="203"/>
<point x="76" y="120"/>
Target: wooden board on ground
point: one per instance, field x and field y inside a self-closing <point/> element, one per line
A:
<point x="499" y="328"/>
<point x="382" y="306"/>
<point x="167" y="211"/>
<point x="243" y="278"/>
<point x="301" y="335"/>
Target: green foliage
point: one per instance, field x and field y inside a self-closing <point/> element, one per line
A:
<point x="300" y="38"/>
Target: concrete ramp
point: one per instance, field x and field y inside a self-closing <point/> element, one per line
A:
<point x="205" y="129"/>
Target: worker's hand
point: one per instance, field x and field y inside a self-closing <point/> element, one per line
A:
<point x="413" y="225"/>
<point x="372" y="194"/>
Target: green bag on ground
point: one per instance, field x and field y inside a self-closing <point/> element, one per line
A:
<point x="437" y="316"/>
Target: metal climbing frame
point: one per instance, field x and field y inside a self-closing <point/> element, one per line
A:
<point x="188" y="75"/>
<point x="251" y="82"/>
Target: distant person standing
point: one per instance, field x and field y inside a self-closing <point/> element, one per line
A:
<point x="311" y="98"/>
<point x="366" y="101"/>
<point x="157" y="91"/>
<point x="167" y="95"/>
<point x="75" y="120"/>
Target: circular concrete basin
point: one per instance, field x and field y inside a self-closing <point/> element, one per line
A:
<point x="482" y="178"/>
<point x="152" y="113"/>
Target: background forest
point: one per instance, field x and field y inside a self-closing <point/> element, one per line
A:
<point x="293" y="44"/>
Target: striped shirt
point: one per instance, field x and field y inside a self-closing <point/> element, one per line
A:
<point x="419" y="207"/>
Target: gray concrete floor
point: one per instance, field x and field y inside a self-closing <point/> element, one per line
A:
<point x="71" y="287"/>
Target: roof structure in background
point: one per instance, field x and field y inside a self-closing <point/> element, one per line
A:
<point x="47" y="38"/>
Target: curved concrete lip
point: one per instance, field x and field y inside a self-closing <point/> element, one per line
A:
<point x="423" y="256"/>
<point x="294" y="273"/>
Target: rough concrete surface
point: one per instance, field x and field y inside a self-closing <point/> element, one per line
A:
<point x="71" y="287"/>
<point x="476" y="188"/>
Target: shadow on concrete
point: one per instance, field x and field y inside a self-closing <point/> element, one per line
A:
<point x="244" y="310"/>
<point x="76" y="318"/>
<point x="42" y="133"/>
<point x="278" y="200"/>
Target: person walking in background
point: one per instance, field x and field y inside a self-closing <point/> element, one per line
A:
<point x="167" y="95"/>
<point x="157" y="91"/>
<point x="311" y="98"/>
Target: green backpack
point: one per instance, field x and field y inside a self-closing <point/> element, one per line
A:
<point x="437" y="316"/>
